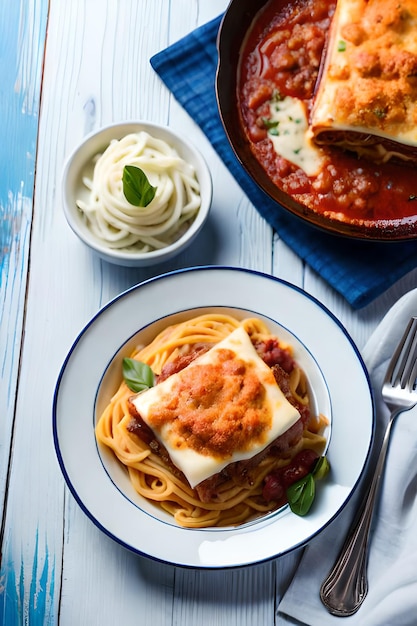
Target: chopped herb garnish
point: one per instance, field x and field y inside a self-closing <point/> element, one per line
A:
<point x="380" y="113"/>
<point x="268" y="123"/>
<point x="276" y="96"/>
<point x="341" y="46"/>
<point x="274" y="132"/>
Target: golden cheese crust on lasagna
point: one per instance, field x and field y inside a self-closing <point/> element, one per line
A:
<point x="226" y="406"/>
<point x="366" y="99"/>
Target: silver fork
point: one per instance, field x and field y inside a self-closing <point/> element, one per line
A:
<point x="346" y="586"/>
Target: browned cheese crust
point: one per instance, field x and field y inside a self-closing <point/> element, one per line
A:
<point x="367" y="92"/>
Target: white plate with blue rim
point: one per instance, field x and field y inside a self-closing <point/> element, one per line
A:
<point x="91" y="373"/>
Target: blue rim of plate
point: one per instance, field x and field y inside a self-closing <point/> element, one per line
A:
<point x="303" y="316"/>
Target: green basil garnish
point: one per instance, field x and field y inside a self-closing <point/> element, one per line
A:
<point x="136" y="186"/>
<point x="300" y="495"/>
<point x="268" y="123"/>
<point x="380" y="113"/>
<point x="321" y="468"/>
<point x="137" y="375"/>
<point x="276" y="96"/>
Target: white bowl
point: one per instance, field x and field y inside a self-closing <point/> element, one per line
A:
<point x="85" y="385"/>
<point x="80" y="162"/>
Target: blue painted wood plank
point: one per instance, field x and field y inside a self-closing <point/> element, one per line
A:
<point x="23" y="25"/>
<point x="22" y="37"/>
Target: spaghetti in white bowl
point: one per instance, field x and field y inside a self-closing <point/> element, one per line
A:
<point x="136" y="193"/>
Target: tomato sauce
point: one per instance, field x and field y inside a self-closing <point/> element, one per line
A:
<point x="283" y="54"/>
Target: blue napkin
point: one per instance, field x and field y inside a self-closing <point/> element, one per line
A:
<point x="359" y="270"/>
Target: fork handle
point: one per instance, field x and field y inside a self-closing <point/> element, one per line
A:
<point x="346" y="585"/>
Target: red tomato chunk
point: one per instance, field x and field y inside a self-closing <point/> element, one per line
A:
<point x="278" y="481"/>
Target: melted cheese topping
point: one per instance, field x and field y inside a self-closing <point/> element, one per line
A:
<point x="224" y="407"/>
<point x="290" y="135"/>
<point x="369" y="77"/>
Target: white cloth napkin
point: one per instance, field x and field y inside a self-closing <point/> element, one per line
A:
<point x="392" y="566"/>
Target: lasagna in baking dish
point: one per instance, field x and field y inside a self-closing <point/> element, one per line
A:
<point x="366" y="100"/>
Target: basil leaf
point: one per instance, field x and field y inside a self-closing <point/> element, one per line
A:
<point x="137" y="375"/>
<point x="136" y="186"/>
<point x="321" y="468"/>
<point x="301" y="495"/>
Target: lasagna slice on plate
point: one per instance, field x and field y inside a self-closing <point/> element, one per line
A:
<point x="223" y="409"/>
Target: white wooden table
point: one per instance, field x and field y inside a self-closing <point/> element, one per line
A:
<point x="57" y="567"/>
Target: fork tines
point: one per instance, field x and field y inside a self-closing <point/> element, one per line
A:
<point x="404" y="362"/>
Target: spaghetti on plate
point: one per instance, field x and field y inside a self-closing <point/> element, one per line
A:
<point x="203" y="442"/>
